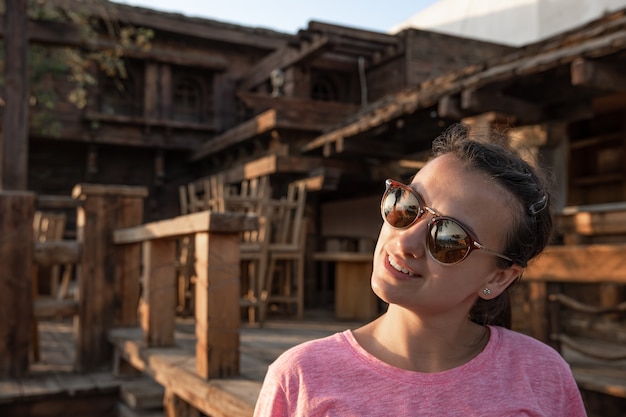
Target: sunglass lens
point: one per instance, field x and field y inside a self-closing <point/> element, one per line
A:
<point x="400" y="207"/>
<point x="448" y="242"/>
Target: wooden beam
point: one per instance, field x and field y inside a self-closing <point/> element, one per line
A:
<point x="366" y="35"/>
<point x="262" y="102"/>
<point x="484" y="101"/>
<point x="51" y="308"/>
<point x="271" y="164"/>
<point x="16" y="292"/>
<point x="56" y="252"/>
<point x="584" y="264"/>
<point x="280" y="59"/>
<point x="603" y="75"/>
<point x="449" y="107"/>
<point x="204" y="221"/>
<point x="294" y="117"/>
<point x="262" y="123"/>
<point x="204" y="29"/>
<point x="594" y="223"/>
<point x="14" y="139"/>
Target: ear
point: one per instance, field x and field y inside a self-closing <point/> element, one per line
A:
<point x="501" y="279"/>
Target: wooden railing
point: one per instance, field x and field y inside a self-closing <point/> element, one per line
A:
<point x="217" y="315"/>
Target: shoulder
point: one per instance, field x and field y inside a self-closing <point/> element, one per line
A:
<point x="526" y="350"/>
<point x="312" y="352"/>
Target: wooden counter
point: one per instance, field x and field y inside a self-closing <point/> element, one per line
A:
<point x="354" y="298"/>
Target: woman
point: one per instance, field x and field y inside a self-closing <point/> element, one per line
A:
<point x="452" y="243"/>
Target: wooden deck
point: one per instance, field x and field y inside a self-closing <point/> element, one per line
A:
<point x="53" y="376"/>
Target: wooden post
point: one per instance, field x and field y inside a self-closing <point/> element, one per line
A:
<point x="16" y="298"/>
<point x="217" y="304"/>
<point x="157" y="308"/>
<point x="108" y="275"/>
<point x="14" y="140"/>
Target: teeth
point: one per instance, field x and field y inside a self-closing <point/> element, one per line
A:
<point x="399" y="268"/>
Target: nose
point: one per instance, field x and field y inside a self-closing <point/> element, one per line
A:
<point x="412" y="241"/>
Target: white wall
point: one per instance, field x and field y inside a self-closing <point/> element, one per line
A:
<point x="511" y="22"/>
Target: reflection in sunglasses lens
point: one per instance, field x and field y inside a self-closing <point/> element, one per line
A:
<point x="448" y="242"/>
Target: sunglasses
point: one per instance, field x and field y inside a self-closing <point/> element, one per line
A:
<point x="448" y="241"/>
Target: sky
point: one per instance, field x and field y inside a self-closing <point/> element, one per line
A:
<point x="292" y="15"/>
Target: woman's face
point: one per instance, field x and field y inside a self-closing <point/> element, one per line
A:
<point x="404" y="273"/>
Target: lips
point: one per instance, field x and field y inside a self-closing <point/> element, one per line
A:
<point x="399" y="267"/>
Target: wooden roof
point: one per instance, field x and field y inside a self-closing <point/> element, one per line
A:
<point x="180" y="24"/>
<point x="328" y="46"/>
<point x="551" y="80"/>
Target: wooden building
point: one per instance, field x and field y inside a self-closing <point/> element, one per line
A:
<point x="340" y="109"/>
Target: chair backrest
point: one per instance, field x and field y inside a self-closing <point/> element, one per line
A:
<point x="288" y="216"/>
<point x="48" y="226"/>
<point x="189" y="202"/>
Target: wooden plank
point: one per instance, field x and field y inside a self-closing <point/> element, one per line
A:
<point x="354" y="298"/>
<point x="102" y="279"/>
<point x="260" y="124"/>
<point x="217" y="304"/>
<point x="151" y="92"/>
<point x="49" y="202"/>
<point x="593" y="223"/>
<point x="14" y="138"/>
<point x="614" y="387"/>
<point x="142" y="393"/>
<point x="483" y="101"/>
<point x="343" y="256"/>
<point x="53" y="308"/>
<point x="16" y="292"/>
<point x="217" y="398"/>
<point x="56" y="252"/>
<point x="283" y="58"/>
<point x="40" y="385"/>
<point x="176" y="406"/>
<point x="10" y="389"/>
<point x="262" y="102"/>
<point x="585" y="264"/>
<point x="81" y="191"/>
<point x="603" y="75"/>
<point x="157" y="307"/>
<point x="185" y="225"/>
<point x="353" y="33"/>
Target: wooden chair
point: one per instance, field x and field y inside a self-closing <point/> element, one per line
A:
<point x="252" y="197"/>
<point x="285" y="275"/>
<point x="254" y="258"/>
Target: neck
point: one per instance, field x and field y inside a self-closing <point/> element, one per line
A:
<point x="408" y="341"/>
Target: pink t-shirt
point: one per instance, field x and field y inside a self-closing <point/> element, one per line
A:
<point x="515" y="375"/>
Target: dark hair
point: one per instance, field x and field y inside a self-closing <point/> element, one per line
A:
<point x="490" y="153"/>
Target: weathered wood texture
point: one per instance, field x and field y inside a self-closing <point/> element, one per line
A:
<point x="583" y="264"/>
<point x="108" y="275"/>
<point x="16" y="294"/>
<point x="217" y="304"/>
<point x="14" y="135"/>
<point x="157" y="304"/>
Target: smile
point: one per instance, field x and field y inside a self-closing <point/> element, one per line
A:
<point x="399" y="267"/>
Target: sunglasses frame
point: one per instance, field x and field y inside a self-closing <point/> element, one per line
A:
<point x="423" y="209"/>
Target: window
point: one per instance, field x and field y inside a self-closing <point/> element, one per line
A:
<point x="187" y="103"/>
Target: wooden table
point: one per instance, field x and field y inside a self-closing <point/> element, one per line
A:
<point x="354" y="298"/>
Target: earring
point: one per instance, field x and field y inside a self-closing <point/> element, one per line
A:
<point x="486" y="291"/>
